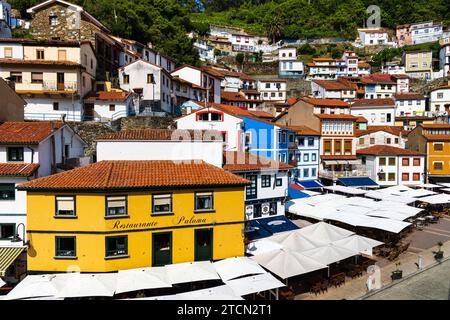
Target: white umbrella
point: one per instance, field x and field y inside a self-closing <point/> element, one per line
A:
<point x="217" y="293"/>
<point x="232" y="268"/>
<point x="324" y="232"/>
<point x="358" y="243"/>
<point x="295" y="241"/>
<point x="262" y="246"/>
<point x="140" y="279"/>
<point x="191" y="272"/>
<point x="254" y="284"/>
<point x="286" y="263"/>
<point x="77" y="285"/>
<point x="34" y="286"/>
<point x="330" y="254"/>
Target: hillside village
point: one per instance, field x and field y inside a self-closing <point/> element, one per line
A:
<point x="260" y="140"/>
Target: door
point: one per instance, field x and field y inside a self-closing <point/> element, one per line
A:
<point x="162" y="249"/>
<point x="89" y="110"/>
<point x="203" y="245"/>
<point x="60" y="81"/>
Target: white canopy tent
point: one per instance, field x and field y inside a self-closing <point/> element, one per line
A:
<point x="437" y="199"/>
<point x="324" y="233"/>
<point x="346" y="190"/>
<point x="254" y="284"/>
<point x="394" y="215"/>
<point x="418" y="193"/>
<point x="378" y="194"/>
<point x="77" y="285"/>
<point x="294" y="240"/>
<point x="262" y="246"/>
<point x="446" y="189"/>
<point x="191" y="272"/>
<point x="311" y="193"/>
<point x="34" y="286"/>
<point x="233" y="268"/>
<point x="224" y="292"/>
<point x="321" y="199"/>
<point x="429" y="186"/>
<point x="142" y="278"/>
<point x="358" y="243"/>
<point x="330" y="254"/>
<point x="286" y="263"/>
<point x="445" y="185"/>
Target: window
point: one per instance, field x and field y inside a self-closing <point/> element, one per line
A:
<point x="116" y="206"/>
<point x="416" y="162"/>
<point x="250" y="191"/>
<point x="162" y="203"/>
<point x="216" y="116"/>
<point x="306" y="173"/>
<point x="388" y="140"/>
<point x="396" y="140"/>
<point x="40" y="54"/>
<point x="150" y="78"/>
<point x="204" y="201"/>
<point x="438" y="147"/>
<point x="416" y="176"/>
<point x="65" y="206"/>
<point x="392" y="161"/>
<point x="372" y="140"/>
<point x="37" y="77"/>
<point x="310" y="142"/>
<point x="267" y="85"/>
<point x="405" y="162"/>
<point x="405" y="176"/>
<point x="65" y="247"/>
<point x="313" y="157"/>
<point x="301" y="142"/>
<point x="361" y="140"/>
<point x="327" y="146"/>
<point x="7" y="191"/>
<point x="437" y="165"/>
<point x="8" y="52"/>
<point x="15" y="154"/>
<point x="306" y="157"/>
<point x="391" y="176"/>
<point x="55" y="106"/>
<point x="337" y="146"/>
<point x="279" y="182"/>
<point x="112" y="107"/>
<point x="348" y="146"/>
<point x="313" y="172"/>
<point x="440" y="95"/>
<point x="381" y="176"/>
<point x="126" y="79"/>
<point x="116" y="246"/>
<point x="16" y="76"/>
<point x="382" y="161"/>
<point x="265" y="181"/>
<point x="53" y="20"/>
<point x="7" y="230"/>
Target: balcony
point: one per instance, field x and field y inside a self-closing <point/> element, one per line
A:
<point x="334" y="175"/>
<point x="46" y="86"/>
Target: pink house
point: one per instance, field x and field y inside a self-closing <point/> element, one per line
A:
<point x="403" y="34"/>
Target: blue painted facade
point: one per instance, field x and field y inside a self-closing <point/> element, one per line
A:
<point x="307" y="158"/>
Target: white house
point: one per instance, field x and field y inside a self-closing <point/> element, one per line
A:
<point x="110" y="105"/>
<point x="373" y="37"/>
<point x="444" y="56"/>
<point x="151" y="82"/>
<point x="378" y="86"/>
<point x="202" y="77"/>
<point x="393" y="68"/>
<point x="289" y="66"/>
<point x="390" y="166"/>
<point x="29" y="150"/>
<point x="147" y="144"/>
<point x="243" y="42"/>
<point x="376" y="111"/>
<point x="273" y="90"/>
<point x="409" y="104"/>
<point x="424" y="32"/>
<point x="440" y="100"/>
<point x="334" y="89"/>
<point x="322" y="68"/>
<point x="217" y="117"/>
<point x="267" y="194"/>
<point x="381" y="135"/>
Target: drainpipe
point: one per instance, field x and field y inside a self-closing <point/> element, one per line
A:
<point x="32" y="154"/>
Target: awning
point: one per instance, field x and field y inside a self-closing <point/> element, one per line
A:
<point x="295" y="192"/>
<point x="310" y="184"/>
<point x="232" y="268"/>
<point x="254" y="284"/>
<point x="191" y="272"/>
<point x="277" y="224"/>
<point x="255" y="231"/>
<point x="358" y="182"/>
<point x="7" y="256"/>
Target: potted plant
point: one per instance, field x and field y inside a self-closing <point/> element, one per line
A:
<point x="439" y="255"/>
<point x="397" y="274"/>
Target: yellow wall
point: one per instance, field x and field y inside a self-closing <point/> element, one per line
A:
<point x="439" y="156"/>
<point x="91" y="228"/>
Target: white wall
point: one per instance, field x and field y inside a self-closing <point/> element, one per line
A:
<point x="17" y="50"/>
<point x="437" y="102"/>
<point x="380" y="138"/>
<point x="409" y="107"/>
<point x="42" y="109"/>
<point x="375" y="116"/>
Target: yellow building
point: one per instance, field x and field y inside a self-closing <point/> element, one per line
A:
<point x="115" y="215"/>
<point x="410" y="122"/>
<point x="434" y="141"/>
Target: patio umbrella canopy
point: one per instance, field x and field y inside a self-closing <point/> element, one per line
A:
<point x="286" y="263"/>
<point x="262" y="246"/>
<point x="296" y="241"/>
<point x="358" y="243"/>
<point x="330" y="254"/>
<point x="233" y="268"/>
<point x="140" y="279"/>
<point x="78" y="285"/>
<point x="191" y="272"/>
<point x="254" y="284"/>
<point x="34" y="286"/>
<point x="216" y="293"/>
<point x="324" y="232"/>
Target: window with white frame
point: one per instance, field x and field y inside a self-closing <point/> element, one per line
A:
<point x="65" y="206"/>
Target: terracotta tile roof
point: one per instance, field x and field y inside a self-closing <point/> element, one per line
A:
<point x="378" y="79"/>
<point x="335" y="157"/>
<point x="239" y="161"/>
<point x="311" y="64"/>
<point x="213" y="72"/>
<point x="408" y="96"/>
<point x="233" y="96"/>
<point x="253" y="91"/>
<point x="333" y="85"/>
<point x="437" y="137"/>
<point x="108" y="96"/>
<point x="304" y="130"/>
<point x="40" y="62"/>
<point x="27" y="132"/>
<point x="131" y="175"/>
<point x="363" y="65"/>
<point x="162" y="135"/>
<point x="435" y="126"/>
<point x="326" y="102"/>
<point x="361" y="119"/>
<point x="396" y="131"/>
<point x="373" y="103"/>
<point x="292" y="100"/>
<point x="224" y="73"/>
<point x="261" y="114"/>
<point x="18" y="169"/>
<point x="382" y="150"/>
<point x="336" y="116"/>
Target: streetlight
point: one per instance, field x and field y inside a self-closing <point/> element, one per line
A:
<point x="16" y="238"/>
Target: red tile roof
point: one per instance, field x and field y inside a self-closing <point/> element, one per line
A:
<point x="261" y="114"/>
<point x="378" y="79"/>
<point x="162" y="135"/>
<point x="233" y="96"/>
<point x="326" y="102"/>
<point x="361" y="119"/>
<point x="40" y="62"/>
<point x="396" y="131"/>
<point x="363" y="65"/>
<point x="373" y="102"/>
<point x="303" y="130"/>
<point x="108" y="96"/>
<point x="333" y="85"/>
<point x="18" y="169"/>
<point x="383" y="150"/>
<point x="132" y="175"/>
<point x="27" y="132"/>
<point x="239" y="161"/>
<point x="435" y="126"/>
<point x="409" y="96"/>
<point x="437" y="137"/>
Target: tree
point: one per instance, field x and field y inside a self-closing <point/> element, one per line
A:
<point x="274" y="28"/>
<point x="217" y="52"/>
<point x="240" y="57"/>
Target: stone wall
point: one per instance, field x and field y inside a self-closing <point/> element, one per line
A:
<point x="144" y="122"/>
